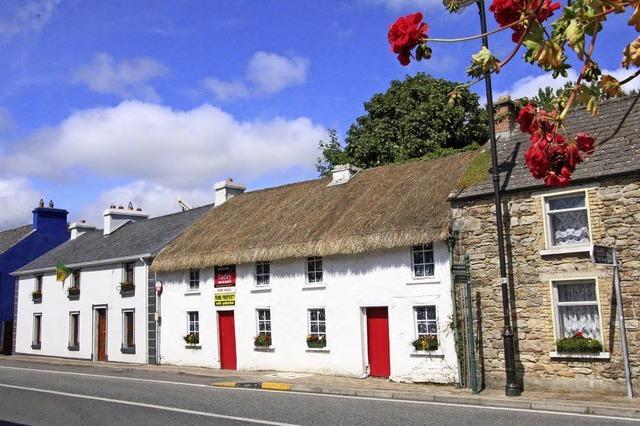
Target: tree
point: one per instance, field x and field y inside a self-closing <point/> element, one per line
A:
<point x="411" y="119"/>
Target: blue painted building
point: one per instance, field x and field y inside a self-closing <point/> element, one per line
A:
<point x="20" y="246"/>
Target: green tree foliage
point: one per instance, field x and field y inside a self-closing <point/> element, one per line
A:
<point x="412" y="119"/>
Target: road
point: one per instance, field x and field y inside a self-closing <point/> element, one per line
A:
<point x="36" y="393"/>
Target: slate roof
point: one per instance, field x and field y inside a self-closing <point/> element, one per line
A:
<point x="10" y="237"/>
<point x="619" y="156"/>
<point x="132" y="239"/>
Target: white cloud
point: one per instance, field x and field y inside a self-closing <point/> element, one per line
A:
<point x="127" y="78"/>
<point x="267" y="73"/>
<point x="6" y="121"/>
<point x="413" y="5"/>
<point x="136" y="140"/>
<point x="29" y="17"/>
<point x="17" y="199"/>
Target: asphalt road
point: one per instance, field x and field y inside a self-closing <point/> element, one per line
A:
<point x="33" y="393"/>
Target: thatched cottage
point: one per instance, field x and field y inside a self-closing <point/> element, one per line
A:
<point x="348" y="274"/>
<point x="556" y="289"/>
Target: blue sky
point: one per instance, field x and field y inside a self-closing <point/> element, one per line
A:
<point x="148" y="101"/>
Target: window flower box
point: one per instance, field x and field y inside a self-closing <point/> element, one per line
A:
<point x="262" y="341"/>
<point x="425" y="343"/>
<point x="316" y="341"/>
<point x="127" y="289"/>
<point x="36" y="296"/>
<point x="73" y="293"/>
<point x="578" y="344"/>
<point x="192" y="339"/>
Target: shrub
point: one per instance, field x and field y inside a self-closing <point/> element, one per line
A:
<point x="578" y="344"/>
<point x="127" y="286"/>
<point x="316" y="341"/>
<point x="425" y="343"/>
<point x="73" y="291"/>
<point x="262" y="340"/>
<point x="192" y="339"/>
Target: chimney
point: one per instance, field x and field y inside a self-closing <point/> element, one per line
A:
<point x="225" y="190"/>
<point x="505" y="117"/>
<point x="114" y="217"/>
<point x="79" y="228"/>
<point x="49" y="219"/>
<point x="342" y="173"/>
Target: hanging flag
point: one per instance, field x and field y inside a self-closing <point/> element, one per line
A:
<point x="62" y="272"/>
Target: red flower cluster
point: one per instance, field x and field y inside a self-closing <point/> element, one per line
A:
<point x="550" y="156"/>
<point x="507" y="12"/>
<point x="405" y="34"/>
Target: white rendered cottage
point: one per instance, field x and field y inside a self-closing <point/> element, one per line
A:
<point x="101" y="310"/>
<point x="339" y="275"/>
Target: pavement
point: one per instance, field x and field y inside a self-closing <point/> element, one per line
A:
<point x="319" y="390"/>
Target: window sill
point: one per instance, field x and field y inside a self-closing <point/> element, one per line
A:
<point x="418" y="281"/>
<point x="129" y="351"/>
<point x="35" y="346"/>
<point x="192" y="293"/>
<point x="196" y="347"/>
<point x="74" y="348"/>
<point x="321" y="350"/>
<point x="127" y="293"/>
<point x="314" y="286"/>
<point x="427" y="354"/>
<point x="566" y="249"/>
<point x="264" y="348"/>
<point x="37" y="300"/>
<point x="73" y="296"/>
<point x="573" y="355"/>
<point x="264" y="289"/>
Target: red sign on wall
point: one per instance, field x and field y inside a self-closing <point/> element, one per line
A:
<point x="225" y="276"/>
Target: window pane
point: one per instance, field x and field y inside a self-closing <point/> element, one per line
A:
<point x="579" y="318"/>
<point x="418" y="257"/>
<point x="421" y="313"/>
<point x="313" y="314"/>
<point x="322" y="328"/>
<point x="570" y="227"/>
<point x="428" y="270"/>
<point x="577" y="292"/>
<point x="431" y="312"/>
<point x="422" y="327"/>
<point x="314" y="327"/>
<point x="321" y="314"/>
<point x="419" y="270"/>
<point x="432" y="327"/>
<point x="572" y="202"/>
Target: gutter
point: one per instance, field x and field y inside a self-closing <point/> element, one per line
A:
<point x="81" y="264"/>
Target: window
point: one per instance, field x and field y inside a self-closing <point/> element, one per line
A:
<point x="567" y="220"/>
<point x="75" y="279"/>
<point x="263" y="272"/>
<point x="317" y="323"/>
<point x="128" y="330"/>
<point x="37" y="331"/>
<point x="74" y="329"/>
<point x="194" y="279"/>
<point x="426" y="321"/>
<point x="576" y="308"/>
<point x="193" y="323"/>
<point x="128" y="272"/>
<point x="264" y="321"/>
<point x="314" y="269"/>
<point x="423" y="260"/>
<point x="38" y="286"/>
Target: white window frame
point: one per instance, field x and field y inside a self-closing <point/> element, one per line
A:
<point x="194" y="279"/>
<point x="71" y="328"/>
<point x="125" y="344"/>
<point x="319" y="322"/>
<point x="426" y="321"/>
<point x="312" y="270"/>
<point x="548" y="223"/>
<point x="558" y="334"/>
<point x="193" y="325"/>
<point x="259" y="322"/>
<point x="425" y="250"/>
<point x="36" y="332"/>
<point x="261" y="274"/>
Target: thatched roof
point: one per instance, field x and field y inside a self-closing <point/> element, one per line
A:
<point x="379" y="208"/>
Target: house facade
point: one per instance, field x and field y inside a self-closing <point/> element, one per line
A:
<point x="100" y="312"/>
<point x="348" y="275"/>
<point x="18" y="247"/>
<point x="557" y="293"/>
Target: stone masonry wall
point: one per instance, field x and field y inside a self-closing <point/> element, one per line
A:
<point x="614" y="211"/>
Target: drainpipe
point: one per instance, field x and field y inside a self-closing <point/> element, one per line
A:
<point x="451" y="242"/>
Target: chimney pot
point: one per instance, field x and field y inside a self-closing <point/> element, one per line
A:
<point x="112" y="206"/>
<point x="41" y="203"/>
<point x="130" y="206"/>
<point x="138" y="209"/>
<point x="120" y="208"/>
<point x="50" y="204"/>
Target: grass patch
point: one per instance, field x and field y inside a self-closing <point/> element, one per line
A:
<point x="477" y="171"/>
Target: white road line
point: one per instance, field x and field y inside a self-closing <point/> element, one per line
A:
<point x="153" y="406"/>
<point x="366" y="398"/>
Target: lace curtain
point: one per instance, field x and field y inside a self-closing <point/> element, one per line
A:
<point x="582" y="318"/>
<point x="570" y="227"/>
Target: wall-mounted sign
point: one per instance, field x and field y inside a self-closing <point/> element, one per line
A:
<point x="225" y="276"/>
<point x="225" y="299"/>
<point x="159" y="287"/>
<point x="602" y="254"/>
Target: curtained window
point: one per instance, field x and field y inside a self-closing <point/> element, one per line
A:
<point x="567" y="219"/>
<point x="576" y="306"/>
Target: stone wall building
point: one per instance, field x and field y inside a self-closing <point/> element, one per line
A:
<point x="556" y="290"/>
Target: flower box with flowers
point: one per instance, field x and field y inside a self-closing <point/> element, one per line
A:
<point x="578" y="344"/>
<point x="127" y="289"/>
<point x="36" y="296"/>
<point x="192" y="340"/>
<point x="316" y="341"/>
<point x="425" y="343"/>
<point x="262" y="341"/>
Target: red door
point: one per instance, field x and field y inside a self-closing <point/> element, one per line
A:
<point x="378" y="341"/>
<point x="227" y="333"/>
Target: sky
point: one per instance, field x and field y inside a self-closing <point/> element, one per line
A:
<point x="153" y="101"/>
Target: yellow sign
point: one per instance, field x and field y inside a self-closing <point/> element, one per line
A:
<point x="225" y="299"/>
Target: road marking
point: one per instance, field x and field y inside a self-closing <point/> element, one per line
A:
<point x="142" y="404"/>
<point x="366" y="398"/>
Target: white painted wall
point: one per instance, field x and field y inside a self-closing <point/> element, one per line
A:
<point x="98" y="286"/>
<point x="382" y="278"/>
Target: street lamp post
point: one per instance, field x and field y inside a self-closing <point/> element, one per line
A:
<point x="512" y="388"/>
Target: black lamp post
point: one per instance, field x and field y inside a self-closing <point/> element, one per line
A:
<point x="512" y="388"/>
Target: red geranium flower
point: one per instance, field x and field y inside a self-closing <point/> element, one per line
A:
<point x="526" y="118"/>
<point x="537" y="161"/>
<point x="585" y="142"/>
<point x="405" y="34"/>
<point x="507" y="12"/>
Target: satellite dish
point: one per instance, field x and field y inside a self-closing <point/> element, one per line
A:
<point x="183" y="205"/>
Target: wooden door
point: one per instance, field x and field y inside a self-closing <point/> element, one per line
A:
<point x="227" y="338"/>
<point x="7" y="337"/>
<point x="378" y="341"/>
<point x="102" y="334"/>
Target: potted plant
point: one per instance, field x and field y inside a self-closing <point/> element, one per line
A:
<point x="192" y="339"/>
<point x="425" y="343"/>
<point x="316" y="341"/>
<point x="73" y="292"/>
<point x="579" y="344"/>
<point x="127" y="289"/>
<point x="36" y="296"/>
<point x="262" y="340"/>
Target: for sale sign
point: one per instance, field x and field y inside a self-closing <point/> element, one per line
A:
<point x="225" y="276"/>
<point x="225" y="299"/>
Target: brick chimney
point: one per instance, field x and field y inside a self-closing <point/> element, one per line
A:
<point x="226" y="190"/>
<point x="505" y="116"/>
